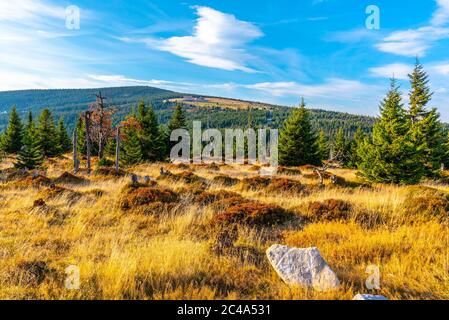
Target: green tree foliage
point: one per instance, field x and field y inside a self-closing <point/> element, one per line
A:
<point x="30" y="156"/>
<point x="150" y="136"/>
<point x="323" y="146"/>
<point x="178" y="119"/>
<point x="298" y="143"/>
<point x="81" y="135"/>
<point x="63" y="137"/>
<point x="131" y="148"/>
<point x="354" y="146"/>
<point x="426" y="130"/>
<point x="341" y="148"/>
<point x="391" y="157"/>
<point x="48" y="135"/>
<point x="12" y="138"/>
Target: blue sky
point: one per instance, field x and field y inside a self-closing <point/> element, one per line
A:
<point x="265" y="50"/>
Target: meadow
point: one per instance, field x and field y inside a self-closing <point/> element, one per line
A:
<point x="201" y="232"/>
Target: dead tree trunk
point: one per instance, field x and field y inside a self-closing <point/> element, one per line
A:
<point x="117" y="150"/>
<point x="76" y="162"/>
<point x="88" y="141"/>
<point x="100" y="103"/>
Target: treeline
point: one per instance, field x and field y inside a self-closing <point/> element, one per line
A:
<point x="32" y="140"/>
<point x="407" y="143"/>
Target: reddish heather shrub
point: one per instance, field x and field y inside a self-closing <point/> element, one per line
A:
<point x="225" y="180"/>
<point x="68" y="178"/>
<point x="255" y="183"/>
<point x="208" y="197"/>
<point x="286" y="185"/>
<point x="329" y="210"/>
<point x="186" y="177"/>
<point x="33" y="181"/>
<point x="293" y="171"/>
<point x="146" y="196"/>
<point x="253" y="214"/>
<point x="226" y="203"/>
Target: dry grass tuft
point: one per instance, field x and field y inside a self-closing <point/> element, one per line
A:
<point x="225" y="180"/>
<point x="209" y="197"/>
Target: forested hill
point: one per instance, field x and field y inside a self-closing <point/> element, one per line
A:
<point x="218" y="112"/>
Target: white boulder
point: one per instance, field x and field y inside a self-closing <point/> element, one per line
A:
<point x="303" y="267"/>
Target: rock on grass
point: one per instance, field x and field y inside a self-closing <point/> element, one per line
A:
<point x="302" y="267"/>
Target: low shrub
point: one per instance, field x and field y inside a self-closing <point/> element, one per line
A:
<point x="329" y="210"/>
<point x="253" y="214"/>
<point x="255" y="183"/>
<point x="225" y="180"/>
<point x="54" y="192"/>
<point x="427" y="202"/>
<point x="145" y="196"/>
<point x="68" y="178"/>
<point x="208" y="197"/>
<point x="293" y="171"/>
<point x="286" y="185"/>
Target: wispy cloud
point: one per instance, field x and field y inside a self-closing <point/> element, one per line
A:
<point x="396" y="70"/>
<point x="417" y="42"/>
<point x="441" y="16"/>
<point x="218" y="41"/>
<point x="333" y="88"/>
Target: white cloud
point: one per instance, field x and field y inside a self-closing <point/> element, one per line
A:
<point x="28" y="10"/>
<point x="441" y="16"/>
<point x="442" y="69"/>
<point x="413" y="42"/>
<point x="396" y="70"/>
<point x="417" y="42"/>
<point x="218" y="41"/>
<point x="333" y="88"/>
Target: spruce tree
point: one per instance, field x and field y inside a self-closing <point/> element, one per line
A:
<point x="131" y="147"/>
<point x="63" y="138"/>
<point x="391" y="157"/>
<point x="178" y="119"/>
<point x="341" y="147"/>
<point x="426" y="129"/>
<point x="12" y="138"/>
<point x="47" y="134"/>
<point x="30" y="156"/>
<point x="323" y="146"/>
<point x="353" y="149"/>
<point x="81" y="135"/>
<point x="298" y="143"/>
<point x="152" y="143"/>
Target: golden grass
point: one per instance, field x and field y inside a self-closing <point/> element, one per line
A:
<point x="131" y="255"/>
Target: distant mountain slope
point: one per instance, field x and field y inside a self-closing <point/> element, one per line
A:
<point x="217" y="112"/>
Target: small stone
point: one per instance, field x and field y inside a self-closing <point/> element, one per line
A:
<point x="368" y="297"/>
<point x="303" y="267"/>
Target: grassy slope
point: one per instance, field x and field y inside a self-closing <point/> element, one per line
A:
<point x="138" y="256"/>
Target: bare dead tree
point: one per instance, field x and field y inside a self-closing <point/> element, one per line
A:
<point x="76" y="162"/>
<point x="117" y="149"/>
<point x="101" y="123"/>
<point x="87" y="116"/>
